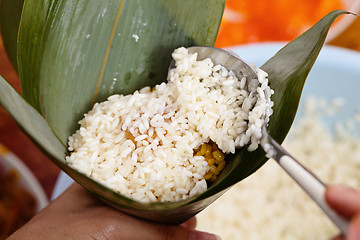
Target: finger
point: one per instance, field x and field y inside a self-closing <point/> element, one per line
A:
<point x="76" y="194"/>
<point x="344" y="200"/>
<point x="115" y="224"/>
<point x="74" y="199"/>
<point x="132" y="228"/>
<point x="152" y="231"/>
<point x="190" y="224"/>
<point x="178" y="233"/>
<point x="354" y="228"/>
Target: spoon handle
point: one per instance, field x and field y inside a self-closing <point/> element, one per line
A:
<point x="313" y="186"/>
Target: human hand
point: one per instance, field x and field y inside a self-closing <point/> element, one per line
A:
<point x="346" y="202"/>
<point x="76" y="214"/>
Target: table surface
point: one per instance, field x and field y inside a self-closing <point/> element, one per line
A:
<point x="45" y="171"/>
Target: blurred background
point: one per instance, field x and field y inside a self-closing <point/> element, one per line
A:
<point x="244" y="22"/>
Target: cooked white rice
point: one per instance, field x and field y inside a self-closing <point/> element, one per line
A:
<point x="141" y="145"/>
<point x="269" y="205"/>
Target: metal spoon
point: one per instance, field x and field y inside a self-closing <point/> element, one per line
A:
<point x="314" y="187"/>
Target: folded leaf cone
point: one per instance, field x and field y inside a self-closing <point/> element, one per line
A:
<point x="74" y="53"/>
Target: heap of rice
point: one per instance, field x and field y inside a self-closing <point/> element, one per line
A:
<point x="141" y="145"/>
<point x="269" y="205"/>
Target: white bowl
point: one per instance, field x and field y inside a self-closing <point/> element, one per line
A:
<point x="27" y="180"/>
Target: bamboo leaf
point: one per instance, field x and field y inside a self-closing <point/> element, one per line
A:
<point x="31" y="121"/>
<point x="73" y="53"/>
<point x="288" y="70"/>
<point x="10" y="12"/>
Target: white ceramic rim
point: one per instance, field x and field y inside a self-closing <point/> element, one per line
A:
<point x="27" y="178"/>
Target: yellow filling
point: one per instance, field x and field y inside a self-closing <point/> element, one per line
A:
<point x="212" y="154"/>
<point x="214" y="157"/>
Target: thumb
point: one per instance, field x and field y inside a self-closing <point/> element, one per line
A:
<point x="179" y="233"/>
<point x="343" y="199"/>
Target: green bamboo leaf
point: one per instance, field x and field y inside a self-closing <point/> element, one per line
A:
<point x="73" y="53"/>
<point x="10" y="13"/>
<point x="288" y="70"/>
<point x="31" y="121"/>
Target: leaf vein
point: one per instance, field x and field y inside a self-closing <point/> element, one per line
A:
<point x="107" y="52"/>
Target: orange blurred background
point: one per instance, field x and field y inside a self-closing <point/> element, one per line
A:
<point x="249" y="21"/>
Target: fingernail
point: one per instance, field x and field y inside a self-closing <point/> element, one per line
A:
<point x="197" y="235"/>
